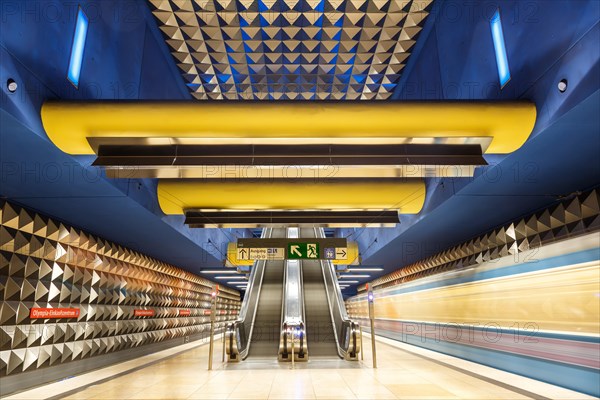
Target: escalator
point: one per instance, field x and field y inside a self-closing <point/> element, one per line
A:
<point x="319" y="328"/>
<point x="329" y="331"/>
<point x="267" y="323"/>
<point x="257" y="330"/>
<point x="293" y="307"/>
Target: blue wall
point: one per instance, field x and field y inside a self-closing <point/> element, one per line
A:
<point x="125" y="58"/>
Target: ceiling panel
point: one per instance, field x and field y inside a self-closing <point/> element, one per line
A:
<point x="290" y="49"/>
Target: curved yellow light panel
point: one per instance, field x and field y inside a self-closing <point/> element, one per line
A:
<point x="70" y="124"/>
<point x="175" y="196"/>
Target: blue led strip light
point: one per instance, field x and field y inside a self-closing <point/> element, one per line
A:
<point x="499" y="47"/>
<point x="77" y="48"/>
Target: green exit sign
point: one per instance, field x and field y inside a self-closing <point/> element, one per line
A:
<point x="303" y="251"/>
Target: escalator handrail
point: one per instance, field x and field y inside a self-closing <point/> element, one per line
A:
<point x="283" y="294"/>
<point x="303" y="297"/>
<point x="299" y="288"/>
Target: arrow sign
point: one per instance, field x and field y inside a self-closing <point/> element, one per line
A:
<point x="242" y="254"/>
<point x="341" y="253"/>
<point x="303" y="251"/>
<point x="294" y="250"/>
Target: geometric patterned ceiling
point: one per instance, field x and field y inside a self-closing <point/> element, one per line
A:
<point x="290" y="49"/>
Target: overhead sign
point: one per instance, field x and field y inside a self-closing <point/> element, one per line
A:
<point x="284" y="242"/>
<point x="268" y="253"/>
<point x="342" y="253"/>
<point x="335" y="253"/>
<point x="297" y="251"/>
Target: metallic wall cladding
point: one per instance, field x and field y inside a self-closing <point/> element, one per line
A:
<point x="46" y="264"/>
<point x="571" y="217"/>
<point x="290" y="49"/>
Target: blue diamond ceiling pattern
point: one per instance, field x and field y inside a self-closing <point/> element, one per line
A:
<point x="291" y="49"/>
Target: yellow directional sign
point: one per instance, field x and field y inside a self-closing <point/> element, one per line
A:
<point x="337" y="255"/>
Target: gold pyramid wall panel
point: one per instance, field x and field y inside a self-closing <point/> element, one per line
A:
<point x="572" y="217"/>
<point x="290" y="49"/>
<point x="47" y="264"/>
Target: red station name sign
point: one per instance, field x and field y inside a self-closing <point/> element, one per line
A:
<point x="143" y="313"/>
<point x="37" y="313"/>
<point x="221" y="312"/>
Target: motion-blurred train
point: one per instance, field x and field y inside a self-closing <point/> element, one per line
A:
<point x="535" y="313"/>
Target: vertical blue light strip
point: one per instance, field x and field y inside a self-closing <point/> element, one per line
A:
<point x="77" y="48"/>
<point x="499" y="47"/>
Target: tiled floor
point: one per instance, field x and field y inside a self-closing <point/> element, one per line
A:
<point x="404" y="372"/>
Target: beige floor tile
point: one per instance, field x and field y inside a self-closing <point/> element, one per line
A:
<point x="200" y="395"/>
<point x="77" y="396"/>
<point x="333" y="391"/>
<point x="109" y="392"/>
<point x="217" y="388"/>
<point x="420" y="391"/>
<point x="373" y="391"/>
<point x="337" y="396"/>
<point x="303" y="387"/>
<point x="292" y="396"/>
<point x="465" y="391"/>
<point x="400" y="374"/>
<point x="258" y="390"/>
<point x="138" y="380"/>
<point x="166" y="392"/>
<point x="399" y="377"/>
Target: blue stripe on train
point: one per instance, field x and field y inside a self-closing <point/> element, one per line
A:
<point x="581" y="379"/>
<point x="522" y="333"/>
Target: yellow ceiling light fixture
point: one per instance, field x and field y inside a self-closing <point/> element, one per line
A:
<point x="75" y="126"/>
<point x="177" y="196"/>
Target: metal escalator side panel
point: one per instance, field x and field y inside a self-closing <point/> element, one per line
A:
<point x="293" y="296"/>
<point x="292" y="323"/>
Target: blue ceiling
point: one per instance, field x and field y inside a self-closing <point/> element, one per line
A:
<point x="126" y="58"/>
